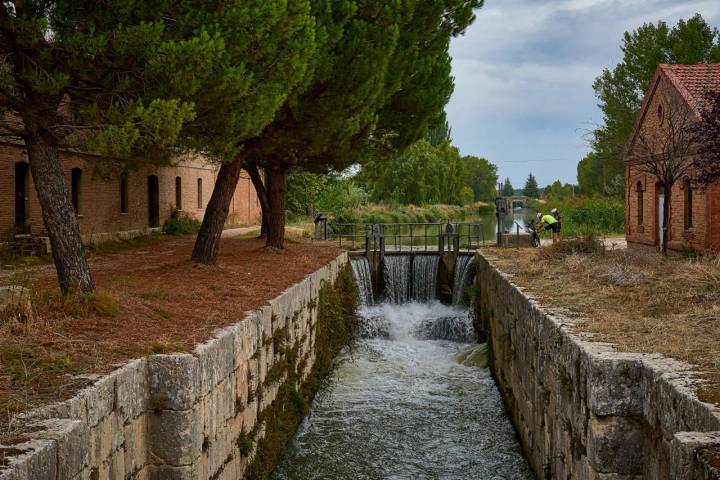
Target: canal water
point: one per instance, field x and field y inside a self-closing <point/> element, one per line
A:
<point x="401" y="405"/>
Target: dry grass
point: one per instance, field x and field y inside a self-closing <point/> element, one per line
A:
<point x="635" y="299"/>
<point x="150" y="299"/>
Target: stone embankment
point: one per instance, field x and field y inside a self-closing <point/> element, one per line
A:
<point x="186" y="416"/>
<point x="585" y="411"/>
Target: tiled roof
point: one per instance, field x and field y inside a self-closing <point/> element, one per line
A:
<point x="694" y="81"/>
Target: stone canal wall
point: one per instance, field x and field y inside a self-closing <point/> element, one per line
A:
<point x="585" y="411"/>
<point x="186" y="416"/>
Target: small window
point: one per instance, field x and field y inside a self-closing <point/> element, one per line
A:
<point x="199" y="193"/>
<point x="688" y="205"/>
<point x="124" y="192"/>
<point x="661" y="114"/>
<point x="640" y="204"/>
<point x="178" y="193"/>
<point x="75" y="186"/>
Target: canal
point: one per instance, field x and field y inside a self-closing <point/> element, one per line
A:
<point x="412" y="399"/>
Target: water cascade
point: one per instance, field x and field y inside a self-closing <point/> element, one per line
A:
<point x="424" y="277"/>
<point x="397" y="278"/>
<point x="363" y="278"/>
<point x="463" y="267"/>
<point x="405" y="405"/>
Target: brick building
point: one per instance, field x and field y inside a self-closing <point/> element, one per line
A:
<point x="115" y="204"/>
<point x="694" y="213"/>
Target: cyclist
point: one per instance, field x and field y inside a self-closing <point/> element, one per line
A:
<point x="549" y="222"/>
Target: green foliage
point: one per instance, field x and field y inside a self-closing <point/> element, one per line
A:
<point x="389" y="213"/>
<point x="482" y="178"/>
<point x="421" y="175"/>
<point x="584" y="216"/>
<point x="181" y="223"/>
<point x="508" y="190"/>
<point x="308" y="193"/>
<point x="621" y="90"/>
<point x="531" y="187"/>
<point x="558" y="191"/>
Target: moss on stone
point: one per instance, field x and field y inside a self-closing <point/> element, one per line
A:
<point x="336" y="327"/>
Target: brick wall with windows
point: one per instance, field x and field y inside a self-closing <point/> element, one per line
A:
<point x="694" y="213"/>
<point x="117" y="202"/>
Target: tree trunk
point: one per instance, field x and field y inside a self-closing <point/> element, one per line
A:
<point x="207" y="243"/>
<point x="262" y="194"/>
<point x="666" y="215"/>
<point x="58" y="214"/>
<point x="276" y="218"/>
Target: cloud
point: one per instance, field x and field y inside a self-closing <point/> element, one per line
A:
<point x="524" y="75"/>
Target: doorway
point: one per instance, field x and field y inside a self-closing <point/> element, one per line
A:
<point x="153" y="201"/>
<point x="22" y="185"/>
<point x="660" y="214"/>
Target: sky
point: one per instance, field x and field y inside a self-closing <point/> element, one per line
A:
<point x="524" y="73"/>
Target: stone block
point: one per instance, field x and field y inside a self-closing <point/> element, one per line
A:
<point x="217" y="360"/>
<point x="176" y="437"/>
<point x="35" y="460"/>
<point x="105" y="438"/>
<point x="135" y="445"/>
<point x="614" y="382"/>
<point x="173" y="381"/>
<point x="100" y="399"/>
<point x="167" y="472"/>
<point x="71" y="442"/>
<point x="131" y="390"/>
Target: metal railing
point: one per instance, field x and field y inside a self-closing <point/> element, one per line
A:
<point x="408" y="236"/>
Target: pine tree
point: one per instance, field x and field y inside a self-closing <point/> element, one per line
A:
<point x="508" y="190"/>
<point x="531" y="187"/>
<point x="95" y="72"/>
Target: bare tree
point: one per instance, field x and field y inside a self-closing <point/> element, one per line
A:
<point x="665" y="149"/>
<point x="707" y="132"/>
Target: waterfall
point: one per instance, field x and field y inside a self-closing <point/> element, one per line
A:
<point x="397" y="278"/>
<point x="463" y="266"/>
<point x="419" y="321"/>
<point x="363" y="278"/>
<point x="424" y="277"/>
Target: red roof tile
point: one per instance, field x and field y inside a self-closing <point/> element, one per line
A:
<point x="694" y="81"/>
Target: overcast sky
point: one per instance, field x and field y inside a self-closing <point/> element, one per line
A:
<point x="524" y="72"/>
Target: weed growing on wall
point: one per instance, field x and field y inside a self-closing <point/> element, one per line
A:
<point x="335" y="329"/>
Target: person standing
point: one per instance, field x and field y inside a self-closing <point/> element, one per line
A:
<point x="555" y="213"/>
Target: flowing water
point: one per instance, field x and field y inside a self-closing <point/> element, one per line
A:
<point x="397" y="278"/>
<point x="402" y="407"/>
<point x="424" y="277"/>
<point x="413" y="399"/>
<point x="463" y="267"/>
<point x="361" y="270"/>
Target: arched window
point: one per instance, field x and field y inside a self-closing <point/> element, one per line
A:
<point x="178" y="193"/>
<point x="688" y="205"/>
<point x="661" y="114"/>
<point x="75" y="189"/>
<point x="640" y="203"/>
<point x="199" y="193"/>
<point x="124" y="192"/>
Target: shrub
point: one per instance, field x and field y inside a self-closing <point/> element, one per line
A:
<point x="181" y="224"/>
<point x="588" y="216"/>
<point x="585" y="245"/>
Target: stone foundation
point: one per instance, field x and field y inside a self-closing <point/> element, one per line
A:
<point x="183" y="416"/>
<point x="585" y="411"/>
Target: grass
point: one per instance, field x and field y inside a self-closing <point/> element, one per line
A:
<point x="636" y="299"/>
<point x="181" y="223"/>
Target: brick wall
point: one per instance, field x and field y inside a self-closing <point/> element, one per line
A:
<point x="99" y="199"/>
